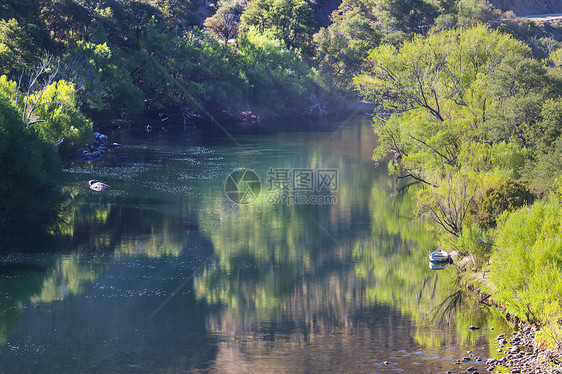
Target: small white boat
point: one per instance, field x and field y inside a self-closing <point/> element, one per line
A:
<point x="439" y="256"/>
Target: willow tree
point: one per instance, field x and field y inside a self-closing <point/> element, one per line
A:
<point x="436" y="91"/>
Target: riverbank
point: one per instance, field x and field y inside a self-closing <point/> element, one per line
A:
<point x="521" y="351"/>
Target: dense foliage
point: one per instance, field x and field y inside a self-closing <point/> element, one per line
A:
<point x="509" y="195"/>
<point x="526" y="262"/>
<point x="473" y="115"/>
<point x="29" y="167"/>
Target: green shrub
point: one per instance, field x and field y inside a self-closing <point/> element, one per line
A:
<point x="526" y="263"/>
<point x="547" y="167"/>
<point x="509" y="195"/>
<point x="475" y="242"/>
<point x="108" y="91"/>
<point x="29" y="168"/>
<point x="60" y="119"/>
<point x="278" y="77"/>
<point x="55" y="116"/>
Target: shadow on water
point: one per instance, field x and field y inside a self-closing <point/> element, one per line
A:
<point x="25" y="232"/>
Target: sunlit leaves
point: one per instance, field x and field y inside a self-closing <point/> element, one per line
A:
<point x="526" y="262"/>
<point x="291" y="21"/>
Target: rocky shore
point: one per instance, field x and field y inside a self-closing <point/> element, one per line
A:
<point x="520" y="353"/>
<point x="97" y="149"/>
<point x="522" y="356"/>
<point x="519" y="356"/>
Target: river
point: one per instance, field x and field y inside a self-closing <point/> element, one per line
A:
<point x="307" y="259"/>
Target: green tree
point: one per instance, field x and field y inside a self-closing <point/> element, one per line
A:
<point x="410" y="16"/>
<point x="50" y="108"/>
<point x="21" y="10"/>
<point x="19" y="47"/>
<point x="519" y="87"/>
<point x="59" y="119"/>
<point x="225" y="22"/>
<point x="29" y="170"/>
<point x="277" y="77"/>
<point x="341" y="49"/>
<point x="437" y="90"/>
<point x="291" y="21"/>
<point x="439" y="93"/>
<point x="100" y="72"/>
<point x="66" y="20"/>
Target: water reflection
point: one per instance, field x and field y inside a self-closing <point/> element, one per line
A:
<point x="438" y="265"/>
<point x="163" y="273"/>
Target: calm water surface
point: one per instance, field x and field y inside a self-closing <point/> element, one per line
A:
<point x="163" y="273"/>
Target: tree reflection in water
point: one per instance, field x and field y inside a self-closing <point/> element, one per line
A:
<point x="331" y="285"/>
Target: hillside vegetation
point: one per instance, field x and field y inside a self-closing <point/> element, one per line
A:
<point x="473" y="115"/>
<point x="529" y="7"/>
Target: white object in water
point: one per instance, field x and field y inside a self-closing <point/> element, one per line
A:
<point x="439" y="256"/>
<point x="97" y="185"/>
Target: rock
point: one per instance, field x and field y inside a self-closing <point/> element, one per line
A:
<point x="491" y="368"/>
<point x="470" y="369"/>
<point x="473" y="328"/>
<point x="498" y="350"/>
<point x="516" y="370"/>
<point x="465" y="359"/>
<point x="515" y="349"/>
<point x="387" y="363"/>
<point x="490" y="361"/>
<point x="503" y="341"/>
<point x="93" y="155"/>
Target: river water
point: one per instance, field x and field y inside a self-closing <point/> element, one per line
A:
<point x="323" y="270"/>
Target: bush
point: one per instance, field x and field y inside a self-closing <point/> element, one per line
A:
<point x="509" y="195"/>
<point x="527" y="262"/>
<point x="108" y="91"/>
<point x="55" y="116"/>
<point x="29" y="168"/>
<point x="278" y="77"/>
<point x="61" y="120"/>
<point x="475" y="242"/>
